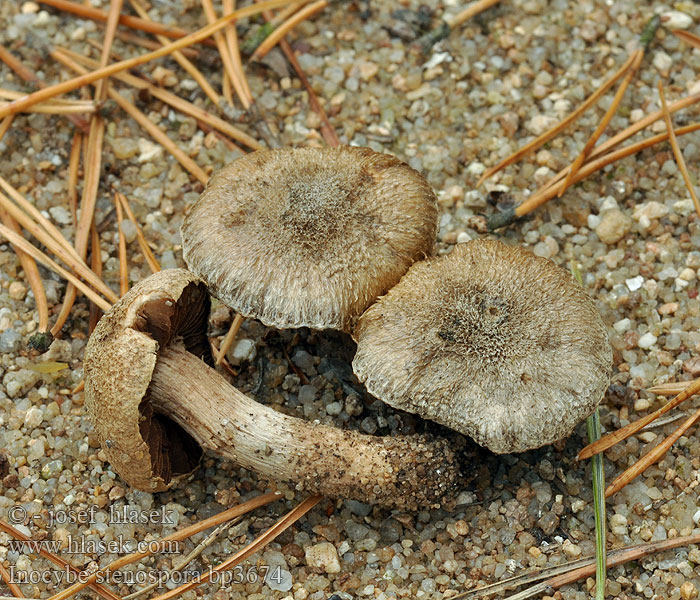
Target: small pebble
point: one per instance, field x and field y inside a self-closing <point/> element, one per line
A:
<point x="613" y="226"/>
<point x="323" y="557"/>
<point x="17" y="290"/>
<point x="242" y="350"/>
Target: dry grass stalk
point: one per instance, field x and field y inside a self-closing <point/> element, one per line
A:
<point x="152" y="261"/>
<point x="123" y="265"/>
<point x="199" y="35"/>
<point x="232" y="41"/>
<point x="17" y="240"/>
<point x="677" y="151"/>
<point x="637" y="56"/>
<point x="614" y="437"/>
<point x="559" y="127"/>
<point x="57" y="560"/>
<point x="154" y="131"/>
<point x="229" y="339"/>
<point x="175" y="101"/>
<point x="181" y="59"/>
<point x="271" y="40"/>
<point x="183" y="534"/>
<point x="13" y="587"/>
<point x="284" y="523"/>
<point x="31" y="273"/>
<point x="226" y="57"/>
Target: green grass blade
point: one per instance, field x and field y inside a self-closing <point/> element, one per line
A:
<point x="593" y="426"/>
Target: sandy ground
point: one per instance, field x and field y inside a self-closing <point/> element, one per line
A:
<point x="487" y="89"/>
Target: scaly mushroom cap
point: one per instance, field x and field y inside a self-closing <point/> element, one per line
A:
<point x="149" y="451"/>
<point x="309" y="236"/>
<point x="491" y="341"/>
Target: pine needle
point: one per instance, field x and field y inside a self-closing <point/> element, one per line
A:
<point x="58" y="561"/>
<point x="677" y="151"/>
<point x="181" y="59"/>
<point x="609" y="440"/>
<point x="123" y="266"/>
<point x="229" y="339"/>
<point x="7" y="579"/>
<point x="556" y="577"/>
<point x="283" y="524"/>
<point x="31" y="273"/>
<point x="637" y="57"/>
<point x="183" y="534"/>
<point x="173" y="100"/>
<point x="273" y="39"/>
<point x="652" y="457"/>
<point x="56" y="248"/>
<point x="226" y="57"/>
<point x="153" y="130"/>
<point x="88" y="12"/>
<point x="28" y="75"/>
<point x="232" y="42"/>
<point x="17" y="240"/>
<point x="152" y="261"/>
<point x="199" y="35"/>
<point x="96" y="267"/>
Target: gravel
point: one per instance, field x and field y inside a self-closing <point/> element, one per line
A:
<point x="482" y="93"/>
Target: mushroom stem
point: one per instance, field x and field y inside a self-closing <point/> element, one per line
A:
<point x="408" y="472"/>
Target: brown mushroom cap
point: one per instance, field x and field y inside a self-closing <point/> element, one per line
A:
<point x="491" y="341"/>
<point x="148" y="450"/>
<point x="309" y="236"/>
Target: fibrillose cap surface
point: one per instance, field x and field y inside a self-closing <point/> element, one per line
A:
<point x="491" y="341"/>
<point x="149" y="451"/>
<point x="309" y="236"/>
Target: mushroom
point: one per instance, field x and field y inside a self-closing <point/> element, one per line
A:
<point x="309" y="237"/>
<point x="154" y="400"/>
<point x="491" y="341"/>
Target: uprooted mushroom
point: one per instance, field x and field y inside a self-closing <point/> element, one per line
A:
<point x="154" y="400"/>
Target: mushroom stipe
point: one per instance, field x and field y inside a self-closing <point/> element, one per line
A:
<point x="154" y="400"/>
